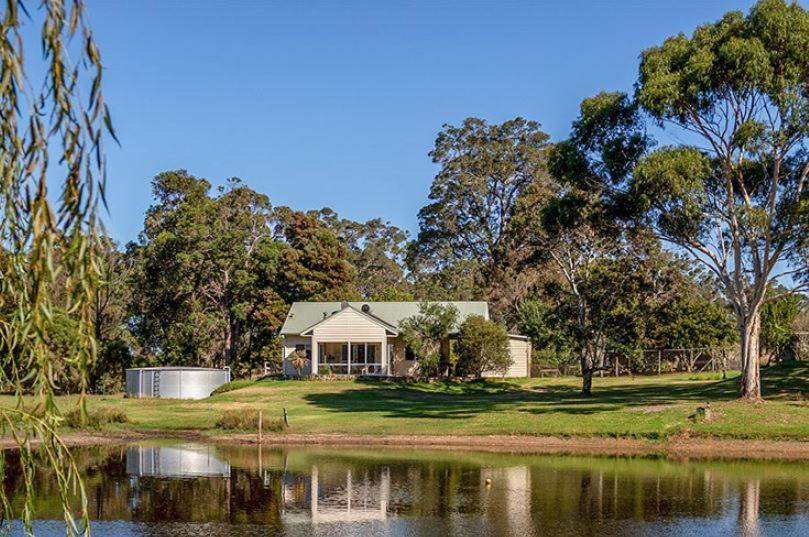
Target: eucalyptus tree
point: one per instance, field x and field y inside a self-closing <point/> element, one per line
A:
<point x="203" y="265"/>
<point x="582" y="229"/>
<point x="377" y="251"/>
<point x="314" y="263"/>
<point x="736" y="197"/>
<point x="52" y="132"/>
<point x="488" y="174"/>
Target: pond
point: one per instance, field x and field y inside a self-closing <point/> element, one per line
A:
<point x="185" y="489"/>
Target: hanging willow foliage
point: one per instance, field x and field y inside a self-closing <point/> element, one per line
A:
<point x="52" y="133"/>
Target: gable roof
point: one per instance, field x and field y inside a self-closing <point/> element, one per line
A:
<point x="368" y="316"/>
<point x="305" y="315"/>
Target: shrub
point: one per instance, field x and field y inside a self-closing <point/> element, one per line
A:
<point x="482" y="346"/>
<point x="95" y="418"/>
<point x="247" y="420"/>
<point x="109" y="383"/>
<point x="424" y="333"/>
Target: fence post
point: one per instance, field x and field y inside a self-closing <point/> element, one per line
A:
<point x="659" y="360"/>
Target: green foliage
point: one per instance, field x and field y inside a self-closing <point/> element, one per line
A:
<point x="376" y="250"/>
<point x="53" y="126"/>
<point x="314" y="265"/>
<point x="204" y="280"/>
<point x="482" y="211"/>
<point x="298" y="361"/>
<point x="483" y="346"/>
<point x="675" y="179"/>
<point x="777" y="320"/>
<point x="693" y="321"/>
<point x="94" y="419"/>
<point x="392" y="294"/>
<point x="606" y="141"/>
<point x="550" y="332"/>
<point x="645" y="300"/>
<point x="426" y="332"/>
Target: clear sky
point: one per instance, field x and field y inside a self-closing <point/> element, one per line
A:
<point x="338" y="103"/>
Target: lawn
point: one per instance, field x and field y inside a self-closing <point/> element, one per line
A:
<point x="643" y="407"/>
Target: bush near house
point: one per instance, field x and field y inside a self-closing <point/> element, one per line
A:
<point x="424" y="333"/>
<point x="482" y="346"/>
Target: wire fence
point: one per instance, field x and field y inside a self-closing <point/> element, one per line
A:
<point x="652" y="362"/>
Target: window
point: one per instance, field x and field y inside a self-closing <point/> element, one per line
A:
<point x="410" y="356"/>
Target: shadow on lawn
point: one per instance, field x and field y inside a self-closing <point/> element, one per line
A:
<point x="455" y="400"/>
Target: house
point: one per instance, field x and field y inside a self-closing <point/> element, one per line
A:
<point x="362" y="338"/>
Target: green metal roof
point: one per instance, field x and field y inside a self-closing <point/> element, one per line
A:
<point x="303" y="315"/>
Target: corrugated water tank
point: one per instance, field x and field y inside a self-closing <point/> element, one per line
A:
<point x="174" y="382"/>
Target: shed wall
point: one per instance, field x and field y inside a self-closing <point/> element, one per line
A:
<point x="520" y="350"/>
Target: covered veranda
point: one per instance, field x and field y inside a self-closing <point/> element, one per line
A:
<point x="350" y="358"/>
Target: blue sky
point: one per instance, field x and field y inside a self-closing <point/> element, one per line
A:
<point x="338" y="103"/>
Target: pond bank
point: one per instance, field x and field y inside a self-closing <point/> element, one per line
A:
<point x="674" y="448"/>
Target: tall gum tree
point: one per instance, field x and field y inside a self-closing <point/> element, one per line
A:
<point x="736" y="199"/>
<point x="492" y="178"/>
<point x="581" y="225"/>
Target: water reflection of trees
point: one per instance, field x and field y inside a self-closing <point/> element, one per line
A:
<point x="275" y="489"/>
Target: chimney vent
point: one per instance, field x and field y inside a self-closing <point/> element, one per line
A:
<point x="343" y="304"/>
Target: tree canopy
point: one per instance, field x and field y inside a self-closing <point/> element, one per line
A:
<point x="492" y="180"/>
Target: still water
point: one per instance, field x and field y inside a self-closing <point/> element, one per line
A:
<point x="195" y="489"/>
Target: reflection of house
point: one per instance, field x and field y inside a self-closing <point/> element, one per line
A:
<point x="343" y="495"/>
<point x="362" y="338"/>
<point x="187" y="460"/>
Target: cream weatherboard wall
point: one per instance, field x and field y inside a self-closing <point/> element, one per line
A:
<point x="349" y="326"/>
<point x="520" y="349"/>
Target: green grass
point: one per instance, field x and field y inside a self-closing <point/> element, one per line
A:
<point x="643" y="407"/>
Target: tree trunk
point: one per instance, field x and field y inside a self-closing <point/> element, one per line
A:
<point x="228" y="341"/>
<point x="586" y="378"/>
<point x="749" y="330"/>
